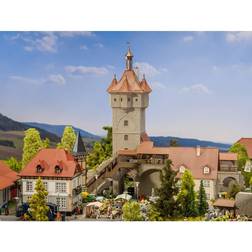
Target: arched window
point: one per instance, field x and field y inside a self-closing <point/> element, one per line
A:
<point x="182" y="169"/>
<point x="206" y="170"/>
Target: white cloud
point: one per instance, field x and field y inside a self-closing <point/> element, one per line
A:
<point x="235" y="37"/>
<point x="99" y="45"/>
<point x="147" y="69"/>
<point x="83" y="47"/>
<point x="45" y="43"/>
<point x="86" y="70"/>
<point x="188" y="39"/>
<point x="196" y="88"/>
<point x="71" y="34"/>
<point x="57" y="79"/>
<point x="25" y="79"/>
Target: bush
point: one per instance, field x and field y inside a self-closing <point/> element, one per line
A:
<point x="131" y="211"/>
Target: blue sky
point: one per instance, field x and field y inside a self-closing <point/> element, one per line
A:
<point x="201" y="81"/>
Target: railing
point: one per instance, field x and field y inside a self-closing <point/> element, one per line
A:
<point x="228" y="168"/>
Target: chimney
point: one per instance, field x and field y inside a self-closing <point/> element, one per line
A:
<point x="198" y="152"/>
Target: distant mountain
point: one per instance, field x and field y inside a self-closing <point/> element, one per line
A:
<point x="187" y="142"/>
<point x="7" y="124"/>
<point x="58" y="130"/>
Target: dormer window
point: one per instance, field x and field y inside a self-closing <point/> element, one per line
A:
<point x="206" y="170"/>
<point x="39" y="168"/>
<point x="58" y="169"/>
<point x="182" y="169"/>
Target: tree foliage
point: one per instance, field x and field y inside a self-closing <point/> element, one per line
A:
<point x="37" y="204"/>
<point x="173" y="143"/>
<point x="14" y="164"/>
<point x="202" y="200"/>
<point x="32" y="144"/>
<point x="242" y="159"/>
<point x="132" y="211"/>
<point x="68" y="139"/>
<point x="153" y="214"/>
<point x="101" y="150"/>
<point x="166" y="203"/>
<point x="186" y="196"/>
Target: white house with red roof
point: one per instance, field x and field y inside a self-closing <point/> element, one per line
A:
<point x="62" y="175"/>
<point x="8" y="186"/>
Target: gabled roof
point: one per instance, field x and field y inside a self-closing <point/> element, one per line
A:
<point x="79" y="147"/>
<point x="247" y="142"/>
<point x="129" y="83"/>
<point x="228" y="156"/>
<point x="7" y="176"/>
<point x="186" y="156"/>
<point x="49" y="159"/>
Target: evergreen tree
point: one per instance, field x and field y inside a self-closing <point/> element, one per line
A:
<point x="14" y="164"/>
<point x="32" y="144"/>
<point x="186" y="196"/>
<point x="202" y="200"/>
<point x="68" y="139"/>
<point x="166" y="203"/>
<point x="37" y="204"/>
<point x="131" y="211"/>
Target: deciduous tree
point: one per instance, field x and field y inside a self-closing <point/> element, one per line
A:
<point x="32" y="144"/>
<point x="68" y="139"/>
<point x="14" y="164"/>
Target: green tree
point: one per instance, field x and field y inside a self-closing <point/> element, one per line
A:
<point x="32" y="144"/>
<point x="202" y="200"/>
<point x="68" y="139"/>
<point x="37" y="204"/>
<point x="101" y="150"/>
<point x="46" y="143"/>
<point x="186" y="196"/>
<point x="131" y="211"/>
<point x="14" y="164"/>
<point x="242" y="159"/>
<point x="166" y="203"/>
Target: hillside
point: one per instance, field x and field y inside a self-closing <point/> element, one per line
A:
<point x="58" y="130"/>
<point x="187" y="142"/>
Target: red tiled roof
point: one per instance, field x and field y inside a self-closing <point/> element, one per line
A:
<point x="7" y="176"/>
<point x="129" y="83"/>
<point x="185" y="156"/>
<point x="48" y="159"/>
<point x="227" y="156"/>
<point x="247" y="142"/>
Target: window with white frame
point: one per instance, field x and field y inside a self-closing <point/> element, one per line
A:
<point x="60" y="187"/>
<point x="61" y="202"/>
<point x="206" y="170"/>
<point x="206" y="183"/>
<point x="29" y="186"/>
<point x="182" y="169"/>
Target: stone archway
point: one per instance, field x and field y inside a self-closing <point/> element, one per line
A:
<point x="228" y="181"/>
<point x="149" y="181"/>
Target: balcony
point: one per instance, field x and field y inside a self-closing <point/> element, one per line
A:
<point x="228" y="168"/>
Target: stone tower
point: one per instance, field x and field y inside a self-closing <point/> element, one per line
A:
<point x="129" y="98"/>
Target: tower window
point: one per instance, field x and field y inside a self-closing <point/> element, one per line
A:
<point x="136" y="99"/>
<point x="126" y="123"/>
<point x="126" y="137"/>
<point x="121" y="99"/>
<point x="128" y="99"/>
<point x="115" y="99"/>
